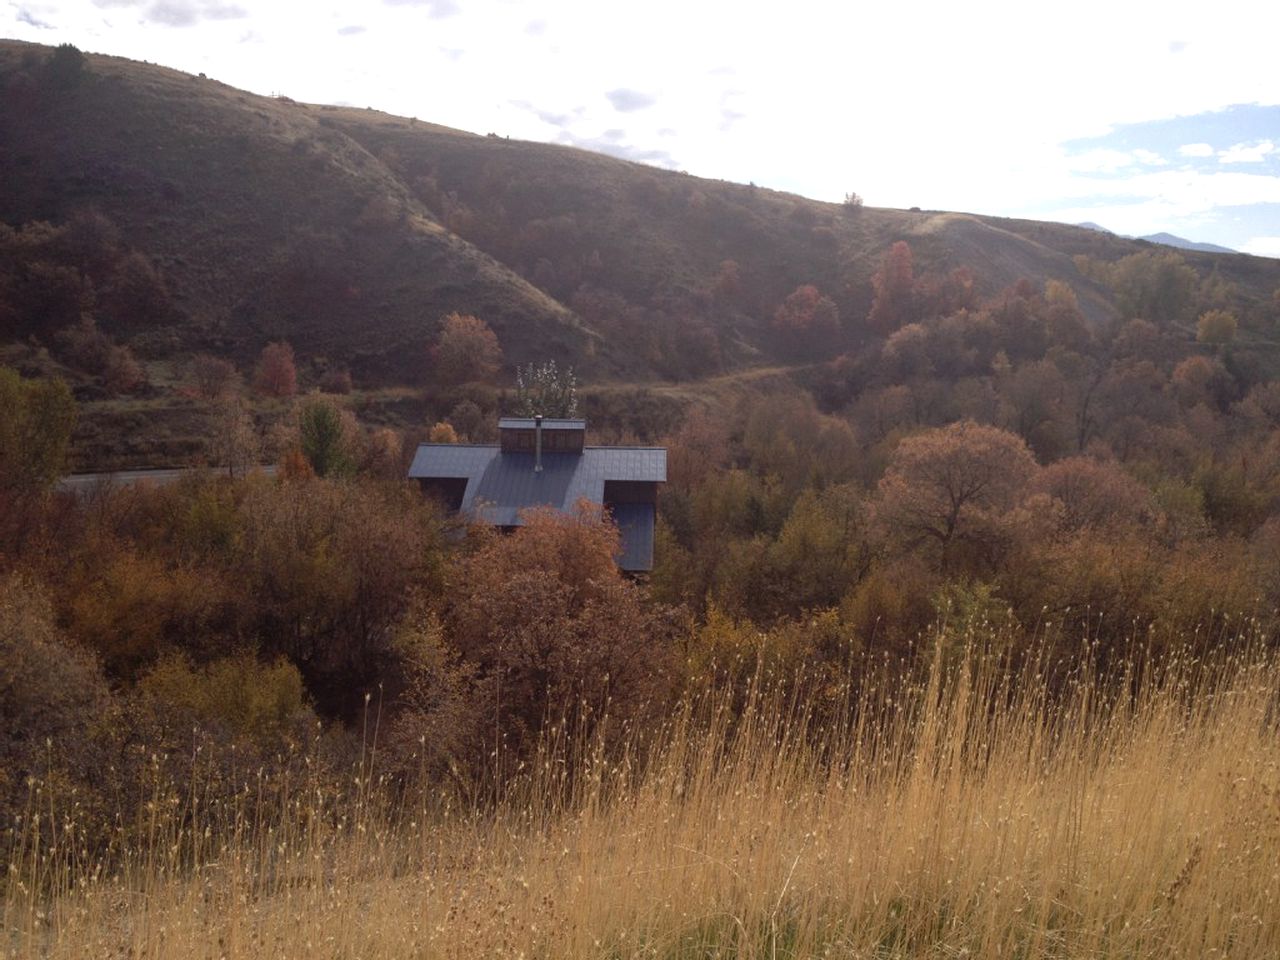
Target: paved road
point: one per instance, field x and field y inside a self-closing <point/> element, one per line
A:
<point x="83" y="483"/>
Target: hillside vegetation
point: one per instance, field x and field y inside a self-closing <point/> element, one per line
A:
<point x="187" y="217"/>
<point x="960" y="639"/>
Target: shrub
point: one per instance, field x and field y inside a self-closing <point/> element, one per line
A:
<point x="276" y="376"/>
<point x="55" y="708"/>
<point x="552" y="628"/>
<point x="211" y="377"/>
<point x="466" y="350"/>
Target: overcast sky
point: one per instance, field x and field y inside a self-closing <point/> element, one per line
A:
<point x="1139" y="116"/>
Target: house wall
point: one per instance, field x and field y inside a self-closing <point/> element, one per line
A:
<point x="630" y="491"/>
<point x="553" y="441"/>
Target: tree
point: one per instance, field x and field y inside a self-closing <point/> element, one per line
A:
<point x="324" y="437"/>
<point x="442" y="433"/>
<point x="35" y="431"/>
<point x="553" y="630"/>
<point x="466" y="350"/>
<point x="136" y="298"/>
<point x="545" y="389"/>
<point x="234" y="441"/>
<point x="53" y="698"/>
<point x="276" y="375"/>
<point x="211" y="377"/>
<point x="1216" y="327"/>
<point x="892" y="286"/>
<point x="727" y="286"/>
<point x="1155" y="286"/>
<point x="1095" y="494"/>
<point x="955" y="492"/>
<point x="467" y="419"/>
<point x="65" y="66"/>
<point x="808" y="316"/>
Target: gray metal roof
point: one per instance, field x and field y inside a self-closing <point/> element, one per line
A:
<point x="500" y="485"/>
<point x="528" y="423"/>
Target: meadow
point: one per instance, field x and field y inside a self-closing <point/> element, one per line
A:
<point x="981" y="809"/>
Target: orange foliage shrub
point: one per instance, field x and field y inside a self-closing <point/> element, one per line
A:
<point x="893" y="286"/>
<point x="276" y="376"/>
<point x="466" y="350"/>
<point x="552" y="628"/>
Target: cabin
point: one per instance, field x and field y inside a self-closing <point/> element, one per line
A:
<point x="545" y="462"/>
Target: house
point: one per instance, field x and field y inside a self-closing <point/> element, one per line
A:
<point x="545" y="462"/>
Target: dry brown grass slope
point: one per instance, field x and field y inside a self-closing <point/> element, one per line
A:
<point x="969" y="815"/>
<point x="265" y="222"/>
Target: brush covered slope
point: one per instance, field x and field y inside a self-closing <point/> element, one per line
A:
<point x="186" y="218"/>
<point x="264" y="221"/>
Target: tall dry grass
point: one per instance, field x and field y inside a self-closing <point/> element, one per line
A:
<point x="965" y="814"/>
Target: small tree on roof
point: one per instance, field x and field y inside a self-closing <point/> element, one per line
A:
<point x="545" y="389"/>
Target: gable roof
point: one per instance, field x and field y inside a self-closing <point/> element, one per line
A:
<point x="500" y="485"/>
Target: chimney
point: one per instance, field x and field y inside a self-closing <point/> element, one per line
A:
<point x="537" y="443"/>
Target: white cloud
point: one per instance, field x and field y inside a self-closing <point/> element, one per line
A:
<point x="927" y="113"/>
<point x="1149" y="158"/>
<point x="1247" y="152"/>
<point x="1101" y="160"/>
<point x="1262" y="247"/>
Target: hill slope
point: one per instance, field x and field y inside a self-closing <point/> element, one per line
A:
<point x="351" y="233"/>
<point x="264" y="222"/>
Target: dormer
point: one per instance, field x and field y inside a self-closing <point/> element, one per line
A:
<point x="520" y="435"/>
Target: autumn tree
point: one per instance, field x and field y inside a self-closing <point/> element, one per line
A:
<point x="1216" y="327"/>
<point x="1156" y="286"/>
<point x="808" y="318"/>
<point x="276" y="375"/>
<point x="233" y="439"/>
<point x="54" y="701"/>
<point x="892" y="287"/>
<point x="553" y="630"/>
<point x="330" y="567"/>
<point x="442" y="432"/>
<point x="466" y="350"/>
<point x="211" y="377"/>
<point x="1095" y="494"/>
<point x="35" y="431"/>
<point x="727" y="286"/>
<point x="136" y="296"/>
<point x="88" y="348"/>
<point x="957" y="493"/>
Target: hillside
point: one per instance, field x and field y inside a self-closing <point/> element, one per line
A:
<point x="235" y="220"/>
<point x="264" y="222"/>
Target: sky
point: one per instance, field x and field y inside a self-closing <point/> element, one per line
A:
<point x="1139" y="116"/>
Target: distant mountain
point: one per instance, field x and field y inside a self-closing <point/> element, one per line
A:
<point x="1169" y="240"/>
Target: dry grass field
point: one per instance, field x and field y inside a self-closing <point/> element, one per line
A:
<point x="959" y="816"/>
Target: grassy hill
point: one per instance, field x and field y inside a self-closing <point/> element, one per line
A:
<point x="351" y="233"/>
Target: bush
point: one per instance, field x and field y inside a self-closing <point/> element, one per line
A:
<point x="554" y="631"/>
<point x="65" y="67"/>
<point x="55" y="708"/>
<point x="235" y="698"/>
